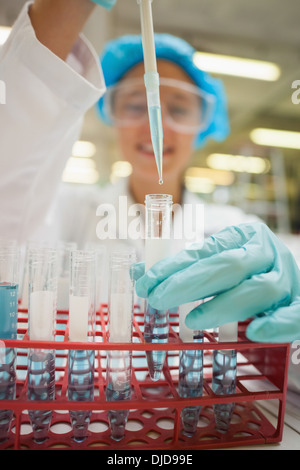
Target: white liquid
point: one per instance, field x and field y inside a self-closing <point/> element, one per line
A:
<point x="228" y="332"/>
<point x="186" y="334"/>
<point x="63" y="293"/>
<point x="120" y="318"/>
<point x="155" y="250"/>
<point x="41" y="316"/>
<point x="78" y="318"/>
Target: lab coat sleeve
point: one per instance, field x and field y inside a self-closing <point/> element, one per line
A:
<point x="46" y="99"/>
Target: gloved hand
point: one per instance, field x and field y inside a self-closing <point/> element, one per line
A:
<point x="108" y="4"/>
<point x="248" y="271"/>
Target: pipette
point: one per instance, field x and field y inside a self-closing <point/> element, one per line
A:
<point x="151" y="78"/>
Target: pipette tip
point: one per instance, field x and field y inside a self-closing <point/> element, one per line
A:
<point x="160" y="181"/>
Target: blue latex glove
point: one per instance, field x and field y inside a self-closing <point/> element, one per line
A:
<point x="108" y="4"/>
<point x="248" y="271"/>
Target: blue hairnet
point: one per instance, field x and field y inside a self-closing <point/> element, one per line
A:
<point x="120" y="55"/>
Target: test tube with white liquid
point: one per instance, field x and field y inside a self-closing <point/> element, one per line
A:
<point x="120" y="316"/>
<point x="224" y="375"/>
<point x="64" y="249"/>
<point x="190" y="380"/>
<point x="157" y="246"/>
<point x="42" y="313"/>
<point x="82" y="325"/>
<point x="8" y="329"/>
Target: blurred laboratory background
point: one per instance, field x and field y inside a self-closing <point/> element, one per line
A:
<point x="257" y="168"/>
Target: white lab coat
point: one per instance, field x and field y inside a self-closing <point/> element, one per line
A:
<point x="46" y="99"/>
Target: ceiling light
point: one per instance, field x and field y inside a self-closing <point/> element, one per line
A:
<point x="238" y="163"/>
<point x="218" y="177"/>
<point x="237" y="66"/>
<point x="4" y="33"/>
<point x="276" y="138"/>
<point x="83" y="149"/>
<point x="81" y="171"/>
<point x="122" y="169"/>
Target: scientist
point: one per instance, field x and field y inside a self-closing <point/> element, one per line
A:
<point x="52" y="77"/>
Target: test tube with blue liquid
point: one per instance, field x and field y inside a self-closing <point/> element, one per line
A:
<point x="41" y="315"/>
<point x="120" y="316"/>
<point x="190" y="380"/>
<point x="158" y="226"/>
<point x="8" y="329"/>
<point x="82" y="326"/>
<point x="224" y="375"/>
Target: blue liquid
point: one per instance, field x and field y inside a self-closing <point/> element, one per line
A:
<point x="156" y="330"/>
<point x="81" y="388"/>
<point x="118" y="418"/>
<point x="41" y="387"/>
<point x="224" y="383"/>
<point x="190" y="384"/>
<point x="8" y="330"/>
<point x="7" y="387"/>
<point x="8" y="311"/>
<point x="156" y="129"/>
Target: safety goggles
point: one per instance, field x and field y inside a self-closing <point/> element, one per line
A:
<point x="185" y="108"/>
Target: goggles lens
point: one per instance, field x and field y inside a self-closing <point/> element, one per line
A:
<point x="185" y="108"/>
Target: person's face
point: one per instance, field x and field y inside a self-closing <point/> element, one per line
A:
<point x="135" y="141"/>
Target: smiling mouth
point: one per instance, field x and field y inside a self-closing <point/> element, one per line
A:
<point x="147" y="150"/>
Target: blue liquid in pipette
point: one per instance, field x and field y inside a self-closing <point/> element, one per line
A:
<point x="157" y="137"/>
<point x="81" y="388"/>
<point x="8" y="330"/>
<point x="224" y="383"/>
<point x="41" y="387"/>
<point x="156" y="330"/>
<point x="190" y="384"/>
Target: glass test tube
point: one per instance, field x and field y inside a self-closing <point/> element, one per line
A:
<point x="224" y="376"/>
<point x="42" y="313"/>
<point x="82" y="325"/>
<point x="120" y="311"/>
<point x="101" y="265"/>
<point x="157" y="246"/>
<point x="190" y="381"/>
<point x="8" y="329"/>
<point x="64" y="249"/>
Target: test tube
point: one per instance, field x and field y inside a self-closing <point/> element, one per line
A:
<point x="224" y="375"/>
<point x="8" y="329"/>
<point x="157" y="246"/>
<point x="101" y="266"/>
<point x="82" y="325"/>
<point x="120" y="314"/>
<point x="64" y="249"/>
<point x="190" y="381"/>
<point x="42" y="313"/>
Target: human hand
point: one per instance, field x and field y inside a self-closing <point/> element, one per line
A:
<point x="247" y="270"/>
<point x="108" y="4"/>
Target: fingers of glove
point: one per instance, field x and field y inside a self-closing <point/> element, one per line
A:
<point x="252" y="297"/>
<point x="137" y="270"/>
<point x="280" y="326"/>
<point x="209" y="277"/>
<point x="228" y="240"/>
